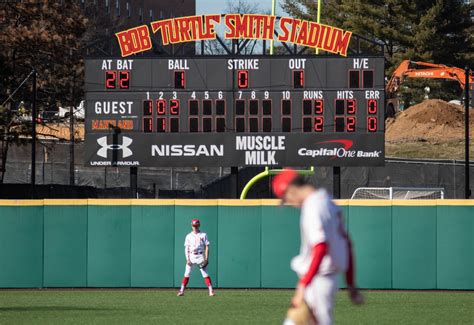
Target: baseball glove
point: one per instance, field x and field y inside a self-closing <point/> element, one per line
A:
<point x="300" y="315"/>
<point x="203" y="264"/>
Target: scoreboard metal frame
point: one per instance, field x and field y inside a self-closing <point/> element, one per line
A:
<point x="235" y="110"/>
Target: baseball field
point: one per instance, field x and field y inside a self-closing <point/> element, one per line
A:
<point x="228" y="307"/>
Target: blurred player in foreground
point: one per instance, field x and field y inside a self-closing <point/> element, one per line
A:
<point x="196" y="249"/>
<point x="325" y="251"/>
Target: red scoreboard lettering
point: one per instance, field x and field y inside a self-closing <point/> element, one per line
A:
<point x="161" y="124"/>
<point x="351" y="106"/>
<point x="110" y="78"/>
<point x="161" y="107"/>
<point x="124" y="79"/>
<point x="372" y="124"/>
<point x="174" y="107"/>
<point x="243" y="79"/>
<point x="372" y="106"/>
<point x="351" y="124"/>
<point x="179" y="80"/>
<point x="298" y="79"/>
<point x="147" y="107"/>
<point x="318" y="106"/>
<point x="318" y="124"/>
<point x="147" y="124"/>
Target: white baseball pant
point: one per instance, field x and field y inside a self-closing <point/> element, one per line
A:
<point x="196" y="260"/>
<point x="320" y="296"/>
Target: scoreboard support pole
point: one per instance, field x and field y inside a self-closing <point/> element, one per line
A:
<point x="134" y="182"/>
<point x="234" y="183"/>
<point x="336" y="182"/>
<point x="33" y="134"/>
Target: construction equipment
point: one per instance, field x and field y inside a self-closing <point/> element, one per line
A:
<point x="417" y="69"/>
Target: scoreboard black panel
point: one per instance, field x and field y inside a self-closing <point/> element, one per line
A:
<point x="235" y="111"/>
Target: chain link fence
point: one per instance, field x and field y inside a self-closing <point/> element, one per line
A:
<point x="52" y="167"/>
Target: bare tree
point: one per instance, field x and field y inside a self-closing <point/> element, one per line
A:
<point x="240" y="7"/>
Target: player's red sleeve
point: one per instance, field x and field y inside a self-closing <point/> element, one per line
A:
<point x="350" y="268"/>
<point x="319" y="251"/>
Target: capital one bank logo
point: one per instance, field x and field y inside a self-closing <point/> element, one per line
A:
<point x="337" y="149"/>
<point x="341" y="148"/>
<point x="105" y="147"/>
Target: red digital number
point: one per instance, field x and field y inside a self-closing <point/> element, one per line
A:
<point x="298" y="79"/>
<point x="148" y="124"/>
<point x="318" y="106"/>
<point x="110" y="78"/>
<point x="179" y="80"/>
<point x="351" y="106"/>
<point x="161" y="124"/>
<point x="174" y="107"/>
<point x="243" y="79"/>
<point x="124" y="79"/>
<point x="372" y="124"/>
<point x="147" y="107"/>
<point x="161" y="107"/>
<point x="351" y="124"/>
<point x="372" y="106"/>
<point x="318" y="124"/>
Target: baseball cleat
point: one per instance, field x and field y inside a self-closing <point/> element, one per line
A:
<point x="180" y="293"/>
<point x="212" y="294"/>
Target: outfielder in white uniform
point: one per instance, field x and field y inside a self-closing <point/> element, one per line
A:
<point x="325" y="247"/>
<point x="196" y="250"/>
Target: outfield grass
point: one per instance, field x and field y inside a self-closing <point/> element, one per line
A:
<point x="228" y="307"/>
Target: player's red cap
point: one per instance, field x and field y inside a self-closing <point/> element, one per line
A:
<point x="195" y="222"/>
<point x="282" y="181"/>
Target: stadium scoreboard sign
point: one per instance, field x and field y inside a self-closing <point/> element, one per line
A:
<point x="235" y="111"/>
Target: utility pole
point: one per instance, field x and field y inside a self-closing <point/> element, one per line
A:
<point x="467" y="185"/>
<point x="71" y="135"/>
<point x="33" y="133"/>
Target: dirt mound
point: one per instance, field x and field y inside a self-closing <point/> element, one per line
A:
<point x="431" y="120"/>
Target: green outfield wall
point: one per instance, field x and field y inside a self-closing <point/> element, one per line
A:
<point x="140" y="243"/>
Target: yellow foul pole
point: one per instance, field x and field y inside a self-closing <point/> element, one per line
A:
<point x="273" y="14"/>
<point x="318" y="18"/>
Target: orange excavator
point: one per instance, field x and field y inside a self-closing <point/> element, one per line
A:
<point x="417" y="69"/>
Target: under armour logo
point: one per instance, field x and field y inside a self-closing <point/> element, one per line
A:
<point x="126" y="142"/>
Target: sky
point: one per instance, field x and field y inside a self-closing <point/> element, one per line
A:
<point x="218" y="6"/>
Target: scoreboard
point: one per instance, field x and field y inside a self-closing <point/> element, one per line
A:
<point x="235" y="111"/>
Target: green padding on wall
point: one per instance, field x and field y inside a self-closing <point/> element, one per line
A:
<point x="370" y="230"/>
<point x="21" y="246"/>
<point x="65" y="246"/>
<point x="341" y="279"/>
<point x="455" y="260"/>
<point x="239" y="246"/>
<point x="208" y="217"/>
<point x="108" y="263"/>
<point x="414" y="247"/>
<point x="152" y="247"/>
<point x="280" y="243"/>
<point x="400" y="247"/>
